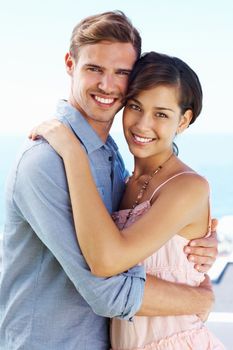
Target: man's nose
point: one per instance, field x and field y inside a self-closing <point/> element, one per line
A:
<point x="107" y="83"/>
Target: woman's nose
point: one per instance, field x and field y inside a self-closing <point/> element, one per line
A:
<point x="145" y="122"/>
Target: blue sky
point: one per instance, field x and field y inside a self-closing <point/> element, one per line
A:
<point x="35" y="36"/>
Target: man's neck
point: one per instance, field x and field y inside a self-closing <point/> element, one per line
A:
<point x="101" y="128"/>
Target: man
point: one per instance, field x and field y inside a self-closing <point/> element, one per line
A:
<point x="49" y="298"/>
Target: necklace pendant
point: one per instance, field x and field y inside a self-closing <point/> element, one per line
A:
<point x="143" y="188"/>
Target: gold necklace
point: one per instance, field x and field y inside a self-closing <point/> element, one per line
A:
<point x="144" y="187"/>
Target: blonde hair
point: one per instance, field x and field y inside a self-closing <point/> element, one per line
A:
<point x="112" y="26"/>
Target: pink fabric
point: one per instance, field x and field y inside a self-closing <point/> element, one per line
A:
<point x="160" y="333"/>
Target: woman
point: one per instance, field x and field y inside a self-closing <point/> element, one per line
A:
<point x="164" y="205"/>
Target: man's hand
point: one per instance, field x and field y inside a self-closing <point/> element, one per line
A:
<point x="203" y="251"/>
<point x="207" y="286"/>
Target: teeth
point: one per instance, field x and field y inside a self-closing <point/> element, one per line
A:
<point x="107" y="101"/>
<point x="142" y="139"/>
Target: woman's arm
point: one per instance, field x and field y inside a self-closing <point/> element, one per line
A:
<point x="108" y="250"/>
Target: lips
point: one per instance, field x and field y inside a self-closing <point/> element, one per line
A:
<point x="106" y="101"/>
<point x="103" y="101"/>
<point x="142" y="139"/>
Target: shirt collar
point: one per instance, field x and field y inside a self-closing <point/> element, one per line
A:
<point x="71" y="116"/>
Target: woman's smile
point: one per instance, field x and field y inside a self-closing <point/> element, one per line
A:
<point x="142" y="140"/>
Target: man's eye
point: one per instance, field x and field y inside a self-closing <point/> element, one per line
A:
<point x="123" y="72"/>
<point x="94" y="69"/>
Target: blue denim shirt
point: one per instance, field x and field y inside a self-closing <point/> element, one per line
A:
<point x="49" y="298"/>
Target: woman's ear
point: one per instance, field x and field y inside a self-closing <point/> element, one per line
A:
<point x="185" y="121"/>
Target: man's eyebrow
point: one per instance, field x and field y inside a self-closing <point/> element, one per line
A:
<point x="92" y="65"/>
<point x="124" y="70"/>
<point x="87" y="65"/>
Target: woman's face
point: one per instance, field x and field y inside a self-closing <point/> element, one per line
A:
<point x="151" y="121"/>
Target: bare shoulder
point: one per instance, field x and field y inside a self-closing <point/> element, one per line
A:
<point x="193" y="177"/>
<point x="185" y="178"/>
<point x="186" y="184"/>
<point x="192" y="183"/>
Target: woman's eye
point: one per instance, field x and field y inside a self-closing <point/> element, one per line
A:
<point x="134" y="107"/>
<point x="161" y="115"/>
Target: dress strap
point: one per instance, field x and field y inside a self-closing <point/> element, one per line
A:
<point x="170" y="178"/>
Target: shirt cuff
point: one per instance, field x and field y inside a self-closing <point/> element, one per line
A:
<point x="136" y="292"/>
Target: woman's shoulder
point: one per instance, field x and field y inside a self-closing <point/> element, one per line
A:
<point x="183" y="178"/>
<point x="188" y="176"/>
<point x="190" y="185"/>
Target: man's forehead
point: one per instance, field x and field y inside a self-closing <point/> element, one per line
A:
<point x="107" y="54"/>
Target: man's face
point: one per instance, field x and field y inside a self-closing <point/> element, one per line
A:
<point x="99" y="80"/>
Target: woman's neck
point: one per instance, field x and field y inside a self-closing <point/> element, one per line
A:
<point x="146" y="166"/>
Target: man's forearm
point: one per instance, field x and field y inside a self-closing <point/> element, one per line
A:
<point x="162" y="298"/>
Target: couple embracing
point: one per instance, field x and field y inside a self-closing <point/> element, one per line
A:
<point x="84" y="242"/>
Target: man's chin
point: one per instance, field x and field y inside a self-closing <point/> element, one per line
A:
<point x="100" y="117"/>
<point x="104" y="120"/>
<point x="104" y="115"/>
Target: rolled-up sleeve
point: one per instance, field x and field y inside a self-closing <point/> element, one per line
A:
<point x="41" y="195"/>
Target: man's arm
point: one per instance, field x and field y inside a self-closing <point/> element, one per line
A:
<point x="41" y="195"/>
<point x="162" y="298"/>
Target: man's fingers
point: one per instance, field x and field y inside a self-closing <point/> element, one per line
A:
<point x="214" y="224"/>
<point x="206" y="283"/>
<point x="202" y="268"/>
<point x="204" y="242"/>
<point x="201" y="251"/>
<point x="201" y="260"/>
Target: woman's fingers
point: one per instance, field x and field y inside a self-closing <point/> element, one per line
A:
<point x="45" y="129"/>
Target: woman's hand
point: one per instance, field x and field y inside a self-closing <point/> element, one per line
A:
<point x="58" y="135"/>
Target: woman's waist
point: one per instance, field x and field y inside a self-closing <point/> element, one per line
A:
<point x="150" y="329"/>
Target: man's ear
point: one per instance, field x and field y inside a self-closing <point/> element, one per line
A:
<point x="185" y="121"/>
<point x="69" y="62"/>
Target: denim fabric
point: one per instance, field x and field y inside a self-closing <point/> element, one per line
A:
<point x="49" y="298"/>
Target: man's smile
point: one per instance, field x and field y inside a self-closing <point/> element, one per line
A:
<point x="104" y="101"/>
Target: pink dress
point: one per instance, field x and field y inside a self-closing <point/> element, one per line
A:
<point x="170" y="332"/>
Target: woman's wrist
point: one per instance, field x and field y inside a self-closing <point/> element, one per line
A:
<point x="70" y="145"/>
<point x="73" y="151"/>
